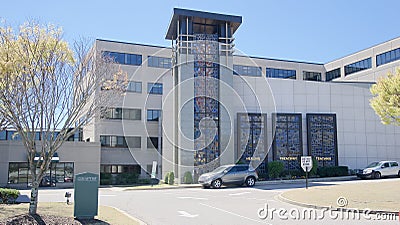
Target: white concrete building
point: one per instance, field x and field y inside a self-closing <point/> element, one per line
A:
<point x="197" y="104"/>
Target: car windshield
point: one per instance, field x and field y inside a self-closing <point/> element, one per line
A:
<point x="374" y="164"/>
<point x="220" y="169"/>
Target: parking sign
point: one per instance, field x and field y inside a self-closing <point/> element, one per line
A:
<point x="306" y="163"/>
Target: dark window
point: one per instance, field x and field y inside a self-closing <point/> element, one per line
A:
<point x="155" y="88"/>
<point x="134" y="86"/>
<point x="247" y="70"/>
<point x="314" y="76"/>
<point x="281" y="73"/>
<point x="357" y="66"/>
<point x="160" y="62"/>
<point x="113" y="141"/>
<point x="153" y="114"/>
<point x="388" y="57"/>
<point x="136" y="169"/>
<point x="124" y="58"/>
<point x="287" y="143"/>
<point x="394" y="164"/>
<point x="18" y="172"/>
<point x="152" y="142"/>
<point x="120" y="113"/>
<point x="322" y="138"/>
<point x="330" y="75"/>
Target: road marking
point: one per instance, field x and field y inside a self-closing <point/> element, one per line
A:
<point x="240" y="193"/>
<point x="186" y="214"/>
<point x="232" y="213"/>
<point x="188" y="197"/>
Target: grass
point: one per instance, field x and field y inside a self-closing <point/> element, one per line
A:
<point x="374" y="195"/>
<point x="106" y="213"/>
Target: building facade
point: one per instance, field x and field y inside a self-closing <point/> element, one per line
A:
<point x="197" y="105"/>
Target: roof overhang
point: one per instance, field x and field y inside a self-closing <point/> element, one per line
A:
<point x="200" y="16"/>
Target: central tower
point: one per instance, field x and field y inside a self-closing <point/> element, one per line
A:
<point x="197" y="115"/>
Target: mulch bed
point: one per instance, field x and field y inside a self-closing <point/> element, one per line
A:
<point x="27" y="219"/>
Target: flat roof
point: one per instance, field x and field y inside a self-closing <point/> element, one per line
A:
<point x="210" y="18"/>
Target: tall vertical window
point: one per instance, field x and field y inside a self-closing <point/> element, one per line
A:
<point x="124" y="58"/>
<point x="287" y="143"/>
<point x="357" y="66"/>
<point x="281" y="73"/>
<point x="251" y="142"/>
<point x="155" y="88"/>
<point x="322" y="138"/>
<point x="160" y="62"/>
<point x="330" y="75"/>
<point x="314" y="76"/>
<point x="134" y="86"/>
<point x="153" y="114"/>
<point x="247" y="70"/>
<point x="388" y="57"/>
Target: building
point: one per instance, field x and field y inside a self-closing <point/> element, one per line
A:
<point x="196" y="105"/>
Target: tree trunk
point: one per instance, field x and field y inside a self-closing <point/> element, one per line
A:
<point x="34" y="198"/>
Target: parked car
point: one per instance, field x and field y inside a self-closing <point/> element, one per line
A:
<point x="229" y="174"/>
<point x="380" y="169"/>
<point x="47" y="182"/>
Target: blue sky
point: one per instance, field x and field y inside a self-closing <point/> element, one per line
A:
<point x="315" y="31"/>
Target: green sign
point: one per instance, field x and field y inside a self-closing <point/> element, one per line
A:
<point x="86" y="191"/>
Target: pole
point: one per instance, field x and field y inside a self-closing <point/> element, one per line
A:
<point x="306" y="177"/>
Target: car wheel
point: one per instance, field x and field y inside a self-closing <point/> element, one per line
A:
<point x="216" y="183"/>
<point x="398" y="174"/>
<point x="377" y="175"/>
<point x="250" y="181"/>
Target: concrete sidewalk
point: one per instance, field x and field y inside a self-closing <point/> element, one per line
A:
<point x="374" y="195"/>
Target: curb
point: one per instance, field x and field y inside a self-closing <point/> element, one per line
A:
<point x="307" y="205"/>
<point x="126" y="214"/>
<point x="259" y="183"/>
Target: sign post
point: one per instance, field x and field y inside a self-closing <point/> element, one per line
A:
<point x="306" y="164"/>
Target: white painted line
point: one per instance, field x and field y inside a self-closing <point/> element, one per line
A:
<point x="188" y="197"/>
<point x="186" y="214"/>
<point x="240" y="193"/>
<point x="232" y="213"/>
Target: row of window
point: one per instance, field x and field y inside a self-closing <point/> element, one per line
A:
<point x="136" y="60"/>
<point x="315" y="76"/>
<point x="131" y="169"/>
<point x="127" y="141"/>
<point x="247" y="70"/>
<point x="130" y="114"/>
<point x="330" y="75"/>
<point x="18" y="173"/>
<point x="152" y="88"/>
<point x="357" y="66"/>
<point x="388" y="57"/>
<point x="281" y="73"/>
<point x="13" y="135"/>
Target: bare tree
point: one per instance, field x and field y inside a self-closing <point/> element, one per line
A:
<point x="49" y="88"/>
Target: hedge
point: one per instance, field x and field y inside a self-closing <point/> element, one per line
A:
<point x="171" y="178"/>
<point x="333" y="171"/>
<point x="8" y="195"/>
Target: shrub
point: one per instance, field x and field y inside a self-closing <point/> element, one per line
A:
<point x="275" y="169"/>
<point x="187" y="178"/>
<point x="333" y="171"/>
<point x="166" y="178"/>
<point x="8" y="195"/>
<point x="314" y="169"/>
<point x="171" y="178"/>
<point x="105" y="178"/>
<point x="126" y="178"/>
